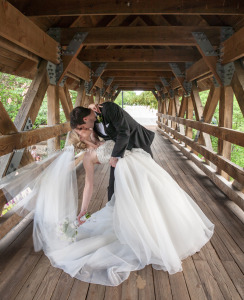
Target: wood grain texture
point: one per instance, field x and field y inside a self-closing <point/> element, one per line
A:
<point x="213" y="273"/>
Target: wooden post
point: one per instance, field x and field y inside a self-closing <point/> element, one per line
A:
<point x="67" y="94"/>
<point x="211" y="104"/>
<point x="53" y="115"/>
<point x="80" y="95"/>
<point x="204" y="138"/>
<point x="97" y="96"/>
<point x="164" y="110"/>
<point x="225" y="120"/>
<point x="189" y="115"/>
<point x="173" y="112"/>
<point x="169" y="123"/>
<point x="65" y="101"/>
<point x="159" y="108"/>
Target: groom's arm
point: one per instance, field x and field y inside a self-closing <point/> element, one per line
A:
<point x="115" y="115"/>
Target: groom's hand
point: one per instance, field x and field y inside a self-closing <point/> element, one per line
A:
<point x="95" y="107"/>
<point x="113" y="161"/>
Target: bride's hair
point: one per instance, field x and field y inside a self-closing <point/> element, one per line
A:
<point x="74" y="139"/>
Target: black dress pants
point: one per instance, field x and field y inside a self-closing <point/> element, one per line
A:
<point x="111" y="178"/>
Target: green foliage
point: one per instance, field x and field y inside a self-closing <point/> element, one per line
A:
<point x="12" y="92"/>
<point x="130" y="98"/>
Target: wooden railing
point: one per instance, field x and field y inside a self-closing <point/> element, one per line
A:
<point x="194" y="148"/>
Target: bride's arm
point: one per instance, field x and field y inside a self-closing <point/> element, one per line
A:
<point x="88" y="189"/>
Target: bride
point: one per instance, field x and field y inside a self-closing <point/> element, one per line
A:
<point x="149" y="220"/>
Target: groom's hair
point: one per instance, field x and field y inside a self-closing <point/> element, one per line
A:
<point x="77" y="115"/>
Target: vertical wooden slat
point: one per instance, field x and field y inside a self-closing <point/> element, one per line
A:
<point x="67" y="94"/>
<point x="80" y="95"/>
<point x="225" y="120"/>
<point x="189" y="115"/>
<point x="211" y="104"/>
<point x="97" y="96"/>
<point x="64" y="102"/>
<point x="204" y="138"/>
<point x="53" y="115"/>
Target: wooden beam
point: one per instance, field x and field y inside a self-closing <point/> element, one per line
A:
<point x="79" y="69"/>
<point x="211" y="62"/>
<point x="141" y="35"/>
<point x="204" y="138"/>
<point x="26" y="68"/>
<point x="143" y="7"/>
<point x="6" y="124"/>
<point x="237" y="85"/>
<point x="175" y="84"/>
<point x="211" y="104"/>
<point x="81" y="92"/>
<point x="140" y="73"/>
<point x="225" y="120"/>
<point x="145" y="78"/>
<point x="18" y="50"/>
<point x="198" y="69"/>
<point x="53" y="118"/>
<point x="136" y="84"/>
<point x="126" y="82"/>
<point x="67" y="94"/>
<point x="233" y="136"/>
<point x="139" y="55"/>
<point x="20" y="30"/>
<point x="221" y="162"/>
<point x="68" y="59"/>
<point x="233" y="47"/>
<point x="189" y="115"/>
<point x="116" y="95"/>
<point x="183" y="107"/>
<point x="65" y="103"/>
<point x="138" y="67"/>
<point x="126" y="88"/>
<point x="178" y="78"/>
<point x="33" y="98"/>
<point x="9" y="143"/>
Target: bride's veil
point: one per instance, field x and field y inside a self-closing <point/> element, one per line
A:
<point x="48" y="189"/>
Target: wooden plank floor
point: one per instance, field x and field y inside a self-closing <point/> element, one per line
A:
<point x="216" y="272"/>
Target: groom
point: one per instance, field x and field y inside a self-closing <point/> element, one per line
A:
<point x="110" y="121"/>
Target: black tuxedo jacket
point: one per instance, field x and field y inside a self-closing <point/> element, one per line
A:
<point x="123" y="129"/>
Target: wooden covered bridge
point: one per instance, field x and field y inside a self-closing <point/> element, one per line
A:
<point x="175" y="49"/>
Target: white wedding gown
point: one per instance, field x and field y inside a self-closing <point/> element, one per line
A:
<point x="150" y="220"/>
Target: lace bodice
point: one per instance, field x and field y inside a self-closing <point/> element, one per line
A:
<point x="105" y="150"/>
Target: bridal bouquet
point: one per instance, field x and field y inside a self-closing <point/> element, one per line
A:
<point x="67" y="230"/>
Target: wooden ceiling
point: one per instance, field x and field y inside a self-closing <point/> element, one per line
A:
<point x="138" y="39"/>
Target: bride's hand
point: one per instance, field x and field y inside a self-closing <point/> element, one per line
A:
<point x="95" y="107"/>
<point x="81" y="214"/>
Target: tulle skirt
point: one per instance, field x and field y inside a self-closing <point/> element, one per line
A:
<point x="150" y="220"/>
